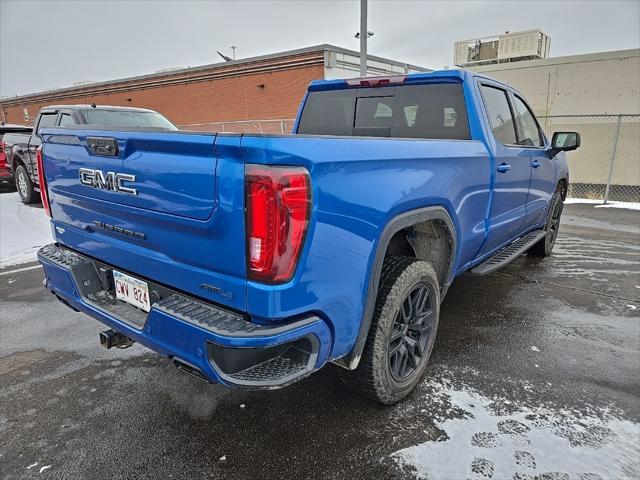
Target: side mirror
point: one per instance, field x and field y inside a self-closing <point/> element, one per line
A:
<point x="564" y="142"/>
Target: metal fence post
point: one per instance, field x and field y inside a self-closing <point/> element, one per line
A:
<point x="613" y="159"/>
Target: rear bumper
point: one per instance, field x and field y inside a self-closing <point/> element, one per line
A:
<point x="220" y="345"/>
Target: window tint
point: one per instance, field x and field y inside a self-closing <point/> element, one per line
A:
<point x="531" y="135"/>
<point x="434" y="111"/>
<point x="328" y="113"/>
<point x="47" y="120"/>
<point x="66" y="120"/>
<point x="127" y="118"/>
<point x="499" y="114"/>
<point x="374" y="116"/>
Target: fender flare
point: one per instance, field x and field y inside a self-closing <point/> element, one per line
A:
<point x="403" y="220"/>
<point x="16" y="159"/>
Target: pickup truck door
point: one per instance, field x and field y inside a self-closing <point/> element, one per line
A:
<point x="543" y="175"/>
<point x="46" y="119"/>
<point x="512" y="169"/>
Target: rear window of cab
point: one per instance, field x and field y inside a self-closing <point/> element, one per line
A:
<point x="432" y="111"/>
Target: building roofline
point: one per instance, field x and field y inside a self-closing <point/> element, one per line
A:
<point x="173" y="73"/>
<point x="539" y="62"/>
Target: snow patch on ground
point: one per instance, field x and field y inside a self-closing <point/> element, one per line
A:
<point x="627" y="205"/>
<point x="23" y="230"/>
<point x="599" y="204"/>
<point x="492" y="438"/>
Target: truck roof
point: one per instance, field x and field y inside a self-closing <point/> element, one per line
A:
<point x="410" y="78"/>
<point x="86" y="106"/>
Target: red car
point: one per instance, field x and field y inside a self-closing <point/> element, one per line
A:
<point x="5" y="174"/>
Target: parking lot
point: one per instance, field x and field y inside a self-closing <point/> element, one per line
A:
<point x="535" y="372"/>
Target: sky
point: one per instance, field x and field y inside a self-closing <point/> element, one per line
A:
<point x="53" y="44"/>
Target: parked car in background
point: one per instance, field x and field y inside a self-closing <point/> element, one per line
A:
<point x="254" y="260"/>
<point x="20" y="147"/>
<point x="5" y="174"/>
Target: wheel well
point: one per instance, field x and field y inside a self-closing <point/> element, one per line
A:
<point x="15" y="161"/>
<point x="430" y="240"/>
<point x="564" y="185"/>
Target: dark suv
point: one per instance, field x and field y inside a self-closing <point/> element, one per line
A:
<point x="20" y="148"/>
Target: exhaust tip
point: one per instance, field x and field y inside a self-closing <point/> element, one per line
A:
<point x="190" y="370"/>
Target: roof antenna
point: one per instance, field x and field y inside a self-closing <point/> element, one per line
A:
<point x="225" y="57"/>
<point x="93" y="105"/>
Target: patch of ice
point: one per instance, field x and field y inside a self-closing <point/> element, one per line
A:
<point x="32" y="465"/>
<point x="632" y="307"/>
<point x="23" y="230"/>
<point x="534" y="348"/>
<point x="542" y="442"/>
<point x="46" y="467"/>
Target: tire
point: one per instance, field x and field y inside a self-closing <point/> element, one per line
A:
<point x="24" y="185"/>
<point x="380" y="374"/>
<point x="545" y="246"/>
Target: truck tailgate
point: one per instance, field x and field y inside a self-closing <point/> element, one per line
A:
<point x="160" y="205"/>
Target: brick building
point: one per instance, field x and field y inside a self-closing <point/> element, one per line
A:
<point x="259" y="94"/>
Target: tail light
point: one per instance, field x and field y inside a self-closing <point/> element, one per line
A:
<point x="278" y="203"/>
<point x="42" y="182"/>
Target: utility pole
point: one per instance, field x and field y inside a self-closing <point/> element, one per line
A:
<point x="363" y="38"/>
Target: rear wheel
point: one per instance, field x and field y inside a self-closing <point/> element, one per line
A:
<point x="402" y="332"/>
<point x="545" y="246"/>
<point x="24" y="185"/>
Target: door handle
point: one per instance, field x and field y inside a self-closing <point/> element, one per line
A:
<point x="535" y="164"/>
<point x="504" y="167"/>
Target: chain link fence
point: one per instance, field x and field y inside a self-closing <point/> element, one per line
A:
<point x="607" y="164"/>
<point x="605" y="167"/>
<point x="282" y="126"/>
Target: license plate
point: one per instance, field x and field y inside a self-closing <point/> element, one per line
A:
<point x="132" y="290"/>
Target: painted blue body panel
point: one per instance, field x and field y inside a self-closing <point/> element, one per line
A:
<point x="191" y="209"/>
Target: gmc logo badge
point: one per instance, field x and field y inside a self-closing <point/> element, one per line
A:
<point x="107" y="181"/>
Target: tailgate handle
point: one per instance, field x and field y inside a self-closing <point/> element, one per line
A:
<point x="103" y="146"/>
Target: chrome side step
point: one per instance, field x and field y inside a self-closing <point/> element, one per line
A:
<point x="509" y="254"/>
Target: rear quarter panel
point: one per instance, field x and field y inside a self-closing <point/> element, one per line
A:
<point x="358" y="186"/>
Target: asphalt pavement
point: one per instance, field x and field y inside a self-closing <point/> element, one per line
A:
<point x="535" y="374"/>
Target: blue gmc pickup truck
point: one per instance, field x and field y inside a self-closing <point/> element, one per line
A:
<point x="253" y="260"/>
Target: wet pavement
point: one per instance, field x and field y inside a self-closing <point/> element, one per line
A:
<point x="535" y="374"/>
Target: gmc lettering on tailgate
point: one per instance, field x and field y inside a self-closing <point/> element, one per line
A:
<point x="107" y="181"/>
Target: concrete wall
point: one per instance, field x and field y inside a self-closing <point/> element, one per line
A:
<point x="599" y="83"/>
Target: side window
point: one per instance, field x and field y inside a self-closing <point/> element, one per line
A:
<point x="531" y="135"/>
<point x="499" y="113"/>
<point x="66" y="120"/>
<point x="47" y="120"/>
